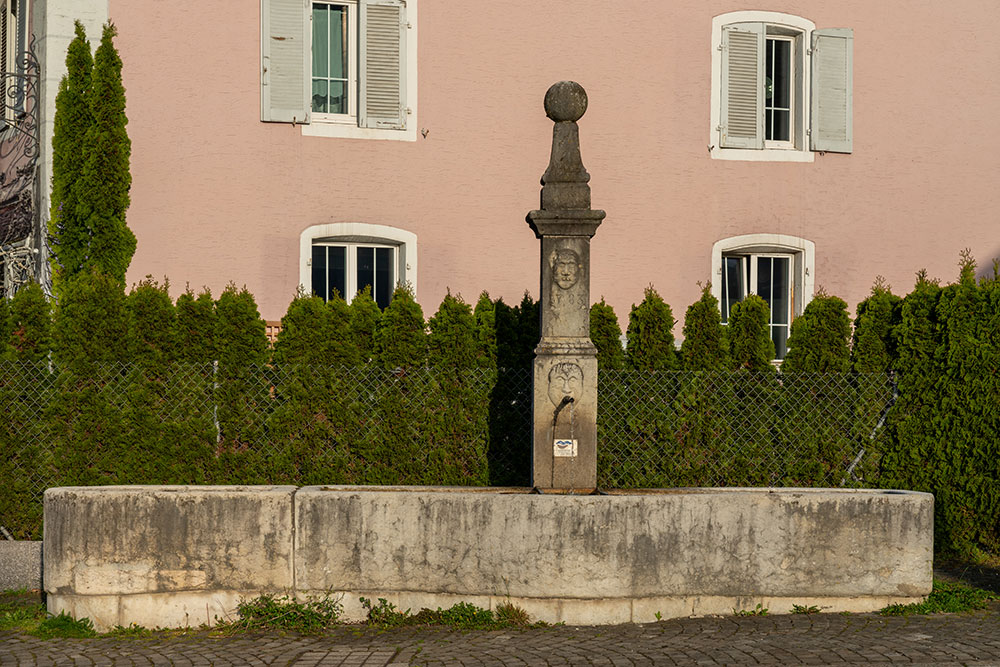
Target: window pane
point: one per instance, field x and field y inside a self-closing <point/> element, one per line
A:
<point x="779" y="125"/>
<point x="321" y="41"/>
<point x="319" y="271"/>
<point x="384" y="283"/>
<point x="319" y="96"/>
<point x="782" y="74"/>
<point x="338" y="42"/>
<point x="779" y="290"/>
<point x="764" y="279"/>
<point x="338" y="271"/>
<point x="366" y="268"/>
<point x="733" y="288"/>
<point x="338" y="97"/>
<point x="779" y="334"/>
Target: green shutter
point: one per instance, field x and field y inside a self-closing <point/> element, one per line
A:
<point x="285" y="63"/>
<point x="832" y="95"/>
<point x="742" y="117"/>
<point x="382" y="64"/>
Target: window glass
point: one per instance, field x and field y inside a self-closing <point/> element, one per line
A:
<point x="383" y="276"/>
<point x="366" y="269"/>
<point x="733" y="287"/>
<point x="338" y="271"/>
<point x="778" y="90"/>
<point x="319" y="271"/>
<point x="329" y="58"/>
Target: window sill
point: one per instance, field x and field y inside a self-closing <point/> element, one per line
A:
<point x="762" y="155"/>
<point x="319" y="128"/>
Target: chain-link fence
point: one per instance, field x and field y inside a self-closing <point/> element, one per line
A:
<point x="208" y="424"/>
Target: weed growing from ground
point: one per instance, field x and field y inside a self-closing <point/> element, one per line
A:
<point x="268" y="612"/>
<point x="65" y="626"/>
<point x="133" y="631"/>
<point x="802" y="609"/>
<point x="759" y="610"/>
<point x="946" y="597"/>
<point x="463" y="616"/>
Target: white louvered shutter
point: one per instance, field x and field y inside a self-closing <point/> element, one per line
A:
<point x="285" y="61"/>
<point x="742" y="117"/>
<point x="382" y="64"/>
<point x="832" y="95"/>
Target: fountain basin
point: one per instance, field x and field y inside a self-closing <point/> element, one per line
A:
<point x="174" y="556"/>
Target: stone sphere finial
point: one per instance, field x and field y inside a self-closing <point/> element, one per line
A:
<point x="565" y="100"/>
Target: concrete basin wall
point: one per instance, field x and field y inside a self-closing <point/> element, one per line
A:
<point x="169" y="556"/>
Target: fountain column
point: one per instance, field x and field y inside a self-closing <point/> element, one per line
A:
<point x="565" y="368"/>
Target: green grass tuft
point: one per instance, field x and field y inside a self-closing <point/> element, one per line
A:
<point x="946" y="597"/>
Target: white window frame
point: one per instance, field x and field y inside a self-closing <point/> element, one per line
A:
<point x="802" y="253"/>
<point x="355" y="235"/>
<point x="351" y="117"/>
<point x="776" y="24"/>
<point x="793" y="122"/>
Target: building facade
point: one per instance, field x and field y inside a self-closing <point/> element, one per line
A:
<point x="337" y="143"/>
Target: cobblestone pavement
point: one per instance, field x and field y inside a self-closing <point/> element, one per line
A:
<point x="824" y="639"/>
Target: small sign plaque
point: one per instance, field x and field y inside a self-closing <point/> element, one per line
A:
<point x="564" y="448"/>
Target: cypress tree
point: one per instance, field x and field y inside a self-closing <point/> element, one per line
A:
<point x="750" y="344"/>
<point x="315" y="332"/>
<point x="196" y="327"/>
<point x="452" y="341"/>
<point x="69" y="239"/>
<point x="606" y="336"/>
<point x="153" y="322"/>
<point x="400" y="340"/>
<point x="650" y="335"/>
<point x="365" y="318"/>
<point x="704" y="348"/>
<point x="91" y="322"/>
<point x="872" y="348"/>
<point x="243" y="391"/>
<point x="458" y="403"/>
<point x="486" y="330"/>
<point x="29" y="324"/>
<point x="818" y="340"/>
<point x="311" y="427"/>
<point x="102" y="187"/>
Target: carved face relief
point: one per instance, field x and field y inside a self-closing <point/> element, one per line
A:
<point x="565" y="379"/>
<point x="566" y="267"/>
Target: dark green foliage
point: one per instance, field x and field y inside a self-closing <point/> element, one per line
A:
<point x="453" y="341"/>
<point x="650" y="335"/>
<point x="749" y="336"/>
<point x="91" y="322"/>
<point x="945" y="421"/>
<point x="365" y="318"/>
<point x="704" y="346"/>
<point x="486" y="331"/>
<point x="5" y="326"/>
<point x="818" y="342"/>
<point x="196" y="327"/>
<point x="460" y="409"/>
<point x="153" y="325"/>
<point x="68" y="235"/>
<point x="316" y="332"/>
<point x="400" y="339"/>
<point x="102" y="187"/>
<point x="873" y="349"/>
<point x="311" y="427"/>
<point x="65" y="626"/>
<point x="242" y="390"/>
<point x="606" y="336"/>
<point x="28" y="324"/>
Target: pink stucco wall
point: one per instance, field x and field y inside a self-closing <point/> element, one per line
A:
<point x="218" y="196"/>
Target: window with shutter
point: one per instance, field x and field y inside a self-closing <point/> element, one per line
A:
<point x="341" y="68"/>
<point x="781" y="89"/>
